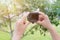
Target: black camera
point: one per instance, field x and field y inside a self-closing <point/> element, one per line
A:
<point x="33" y="17"/>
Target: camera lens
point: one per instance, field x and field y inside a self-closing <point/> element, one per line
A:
<point x="33" y="17"/>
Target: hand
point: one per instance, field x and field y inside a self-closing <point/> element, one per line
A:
<point x="21" y="24"/>
<point x="44" y="20"/>
<point x="20" y="27"/>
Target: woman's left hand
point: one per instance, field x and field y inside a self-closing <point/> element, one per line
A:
<point x="21" y="24"/>
<point x="20" y="27"/>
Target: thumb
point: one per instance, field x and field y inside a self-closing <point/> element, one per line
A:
<point x="25" y="14"/>
<point x="27" y="23"/>
<point x="39" y="22"/>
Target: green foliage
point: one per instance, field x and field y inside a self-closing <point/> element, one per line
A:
<point x="51" y="9"/>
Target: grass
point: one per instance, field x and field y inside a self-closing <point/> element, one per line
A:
<point x="4" y="36"/>
<point x="35" y="36"/>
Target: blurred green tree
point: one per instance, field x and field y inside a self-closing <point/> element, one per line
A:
<point x="50" y="7"/>
<point x="10" y="12"/>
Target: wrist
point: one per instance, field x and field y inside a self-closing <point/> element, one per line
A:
<point x="51" y="28"/>
<point x="19" y="31"/>
<point x="16" y="36"/>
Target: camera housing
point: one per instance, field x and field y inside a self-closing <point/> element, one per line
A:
<point x="33" y="17"/>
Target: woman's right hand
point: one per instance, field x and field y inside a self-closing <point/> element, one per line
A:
<point x="44" y="21"/>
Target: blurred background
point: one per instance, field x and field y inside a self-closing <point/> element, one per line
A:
<point x="10" y="11"/>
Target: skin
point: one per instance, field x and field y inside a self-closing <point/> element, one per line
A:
<point x="43" y="20"/>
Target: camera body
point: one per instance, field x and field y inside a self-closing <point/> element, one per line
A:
<point x="33" y="17"/>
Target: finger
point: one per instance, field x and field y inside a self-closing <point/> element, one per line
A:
<point x="39" y="22"/>
<point x="41" y="18"/>
<point x="27" y="23"/>
<point x="25" y="15"/>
